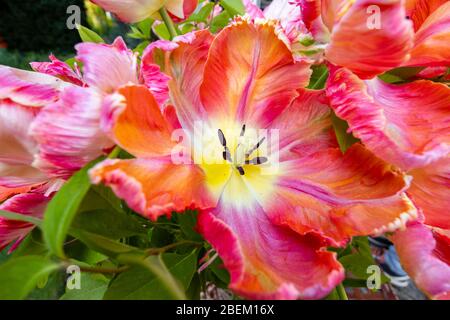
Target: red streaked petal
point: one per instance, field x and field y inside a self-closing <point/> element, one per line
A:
<point x="339" y="196"/>
<point x="156" y="186"/>
<point x="107" y="67"/>
<point x="183" y="61"/>
<point x="68" y="132"/>
<point x="431" y="45"/>
<point x="32" y="204"/>
<point x="27" y="88"/>
<point x="430" y="191"/>
<point x="59" y="69"/>
<point x="333" y="11"/>
<point x="419" y="10"/>
<point x="371" y="51"/>
<point x="425" y="256"/>
<point x="266" y="261"/>
<point x="404" y="124"/>
<point x="305" y="126"/>
<point x="250" y="76"/>
<point x="289" y="13"/>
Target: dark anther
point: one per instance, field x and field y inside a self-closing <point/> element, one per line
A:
<point x="243" y="130"/>
<point x="255" y="147"/>
<point x="227" y="155"/>
<point x="257" y="160"/>
<point x="241" y="170"/>
<point x="222" y="139"/>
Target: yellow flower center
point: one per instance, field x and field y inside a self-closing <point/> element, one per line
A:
<point x="236" y="162"/>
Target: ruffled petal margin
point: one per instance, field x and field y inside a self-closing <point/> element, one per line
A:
<point x="340" y="196"/>
<point x="155" y="187"/>
<point x="405" y="125"/>
<point x="267" y="261"/>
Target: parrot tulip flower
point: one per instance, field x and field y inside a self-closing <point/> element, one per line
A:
<point x="406" y="125"/>
<point x="43" y="142"/>
<point x="132" y="11"/>
<point x="269" y="209"/>
<point x="384" y="34"/>
<point x="50" y="124"/>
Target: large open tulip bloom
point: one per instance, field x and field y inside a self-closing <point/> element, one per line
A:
<point x="50" y="126"/>
<point x="270" y="227"/>
<point x="406" y="125"/>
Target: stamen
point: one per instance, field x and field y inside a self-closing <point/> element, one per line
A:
<point x="257" y="160"/>
<point x="222" y="139"/>
<point x="255" y="147"/>
<point x="241" y="170"/>
<point x="227" y="155"/>
<point x="243" y="130"/>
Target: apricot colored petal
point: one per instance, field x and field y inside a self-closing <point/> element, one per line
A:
<point x="305" y="126"/>
<point x="6" y="193"/>
<point x="419" y="10"/>
<point x="183" y="61"/>
<point x="131" y="11"/>
<point x="430" y="191"/>
<point x="11" y="231"/>
<point x="155" y="186"/>
<point x="250" y="76"/>
<point x="107" y="67"/>
<point x="366" y="48"/>
<point x="431" y="45"/>
<point x="267" y="261"/>
<point x="59" y="69"/>
<point x="339" y="196"/>
<point x="333" y="10"/>
<point x="425" y="256"/>
<point x="68" y="132"/>
<point x="133" y="119"/>
<point x="406" y="125"/>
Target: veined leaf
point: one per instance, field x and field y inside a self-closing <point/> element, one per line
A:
<point x="18" y="277"/>
<point x="344" y="138"/>
<point x="88" y="35"/>
<point x="155" y="278"/>
<point x="62" y="209"/>
<point x="109" y="223"/>
<point x="93" y="287"/>
<point x="233" y="7"/>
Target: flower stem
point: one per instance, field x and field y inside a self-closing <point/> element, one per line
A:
<point x="169" y="23"/>
<point x="341" y="292"/>
<point x="115" y="153"/>
<point x="156" y="251"/>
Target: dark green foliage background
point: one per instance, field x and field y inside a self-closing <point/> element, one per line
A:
<point x="38" y="25"/>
